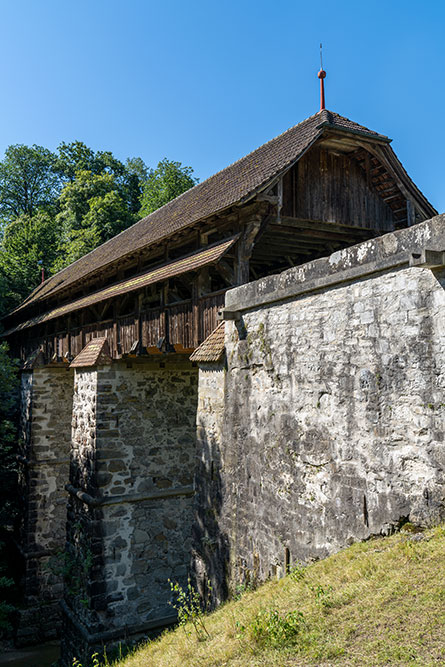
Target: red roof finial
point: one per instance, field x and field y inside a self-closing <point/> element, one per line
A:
<point x="321" y="75"/>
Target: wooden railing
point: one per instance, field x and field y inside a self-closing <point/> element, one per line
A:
<point x="186" y="323"/>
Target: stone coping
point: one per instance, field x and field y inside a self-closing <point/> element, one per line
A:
<point x="420" y="245"/>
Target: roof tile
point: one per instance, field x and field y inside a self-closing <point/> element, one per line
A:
<point x="210" y="255"/>
<point x="225" y="188"/>
<point x="95" y="353"/>
<point x="212" y="348"/>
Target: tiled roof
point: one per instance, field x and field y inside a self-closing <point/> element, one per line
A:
<point x="95" y="353"/>
<point x="210" y="255"/>
<point x="212" y="348"/>
<point x="233" y="184"/>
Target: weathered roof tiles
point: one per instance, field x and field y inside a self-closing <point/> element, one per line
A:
<point x="235" y="183"/>
<point x="210" y="255"/>
<point x="212" y="348"/>
<point x="95" y="353"/>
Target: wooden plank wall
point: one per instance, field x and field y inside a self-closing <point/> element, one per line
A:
<point x="153" y="326"/>
<point x="123" y="332"/>
<point x="334" y="188"/>
<point x="209" y="306"/>
<point x="180" y="324"/>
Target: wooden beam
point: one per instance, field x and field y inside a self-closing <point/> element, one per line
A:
<point x="322" y="225"/>
<point x="378" y="152"/>
<point x="226" y="272"/>
<point x="410" y="213"/>
<point x="244" y="248"/>
<point x="304" y="232"/>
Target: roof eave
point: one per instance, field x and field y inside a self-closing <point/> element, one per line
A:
<point x="370" y="136"/>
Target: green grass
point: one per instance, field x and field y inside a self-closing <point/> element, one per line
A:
<point x="380" y="602"/>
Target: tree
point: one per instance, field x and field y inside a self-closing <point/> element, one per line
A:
<point x="136" y="174"/>
<point x="167" y="181"/>
<point x="27" y="180"/>
<point x="28" y="245"/>
<point x="128" y="178"/>
<point x="77" y="156"/>
<point x="9" y="393"/>
<point x="92" y="210"/>
<point x="8" y="430"/>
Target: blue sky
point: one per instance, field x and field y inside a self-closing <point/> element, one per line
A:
<point x="207" y="82"/>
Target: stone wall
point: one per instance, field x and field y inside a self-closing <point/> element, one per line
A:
<point x="44" y="445"/>
<point x="332" y="424"/>
<point x="210" y="545"/>
<point x="131" y="486"/>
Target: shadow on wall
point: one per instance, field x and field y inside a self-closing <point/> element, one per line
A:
<point x="211" y="551"/>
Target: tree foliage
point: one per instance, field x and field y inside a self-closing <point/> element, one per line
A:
<point x="27" y="180"/>
<point x="8" y="409"/>
<point x="169" y="180"/>
<point x="56" y="207"/>
<point x="29" y="245"/>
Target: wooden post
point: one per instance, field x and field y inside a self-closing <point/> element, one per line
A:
<point x="115" y="333"/>
<point x="244" y="249"/>
<point x="140" y="298"/>
<point x="68" y="336"/>
<point x="195" y="311"/>
<point x="410" y="213"/>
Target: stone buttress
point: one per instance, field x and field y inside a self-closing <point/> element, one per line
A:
<point x="44" y="446"/>
<point x="131" y="488"/>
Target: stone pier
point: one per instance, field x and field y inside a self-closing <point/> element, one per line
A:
<point x="45" y="434"/>
<point x="131" y="492"/>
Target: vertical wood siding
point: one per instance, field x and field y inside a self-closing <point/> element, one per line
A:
<point x="333" y="188"/>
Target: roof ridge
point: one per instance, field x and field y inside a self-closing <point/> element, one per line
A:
<point x="333" y="115"/>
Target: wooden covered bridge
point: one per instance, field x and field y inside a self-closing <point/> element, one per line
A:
<point x="325" y="184"/>
<point x="109" y="426"/>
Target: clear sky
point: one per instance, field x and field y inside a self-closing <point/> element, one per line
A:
<point x="207" y="82"/>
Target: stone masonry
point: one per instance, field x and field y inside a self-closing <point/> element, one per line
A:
<point x="45" y="431"/>
<point x="325" y="424"/>
<point x="131" y="488"/>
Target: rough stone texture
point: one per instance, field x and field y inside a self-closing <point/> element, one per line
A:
<point x="45" y="430"/>
<point x="332" y="425"/>
<point x="210" y="545"/>
<point x="129" y="527"/>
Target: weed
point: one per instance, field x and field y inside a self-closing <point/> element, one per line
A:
<point x="270" y="628"/>
<point x="189" y="606"/>
<point x="297" y="572"/>
<point x="6" y="608"/>
<point x="323" y="596"/>
<point x="96" y="661"/>
<point x="247" y="587"/>
<point x="75" y="571"/>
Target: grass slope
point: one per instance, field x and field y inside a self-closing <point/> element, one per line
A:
<point x="380" y="602"/>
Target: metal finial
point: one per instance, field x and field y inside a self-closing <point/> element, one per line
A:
<point x="321" y="75"/>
